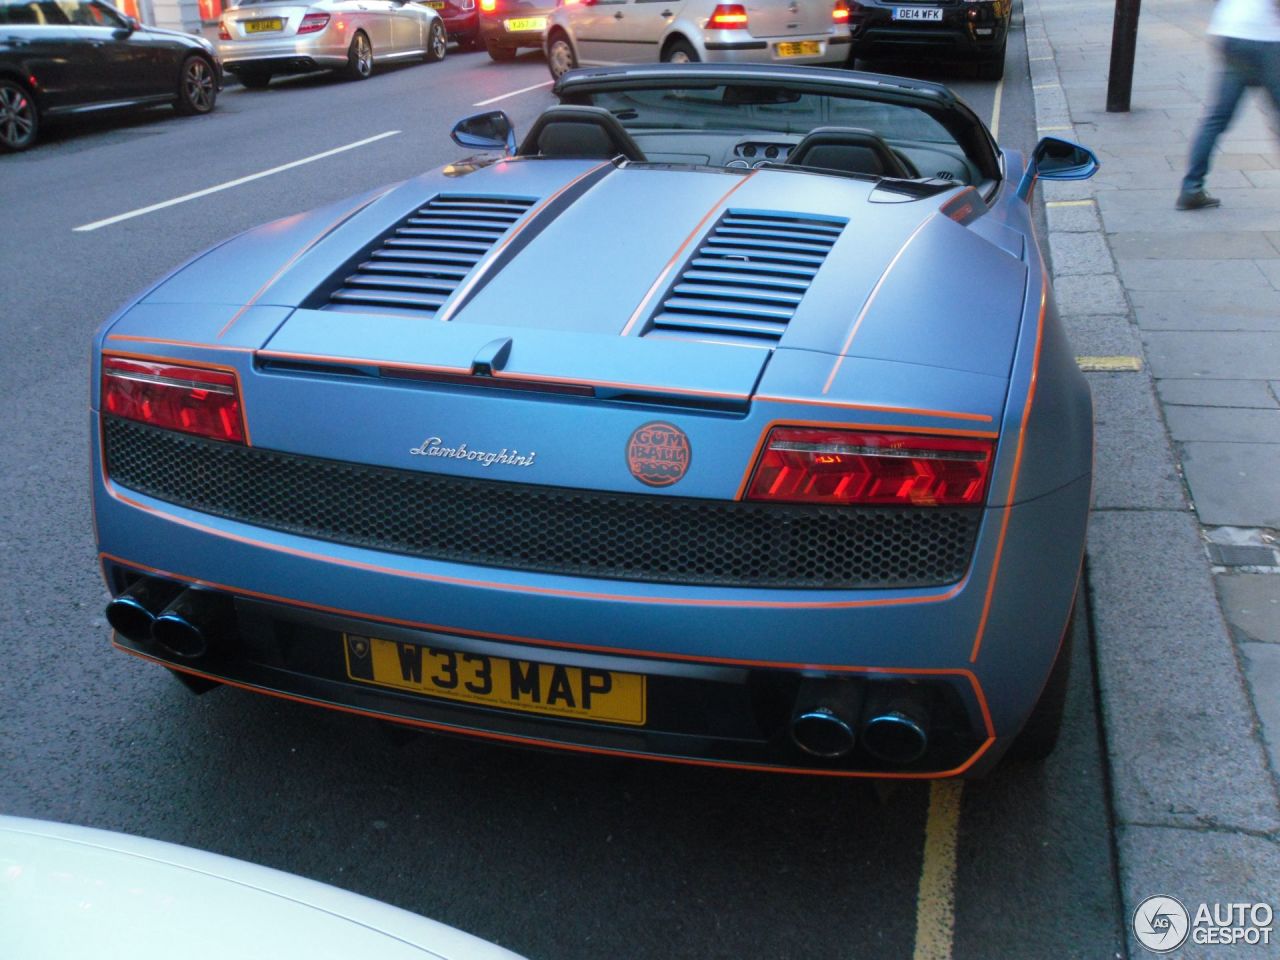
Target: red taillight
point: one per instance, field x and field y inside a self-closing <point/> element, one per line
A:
<point x="190" y="399"/>
<point x="841" y="12"/>
<point x="728" y="16"/>
<point x="488" y="6"/>
<point x="313" y="23"/>
<point x="803" y="465"/>
<point x="223" y="32"/>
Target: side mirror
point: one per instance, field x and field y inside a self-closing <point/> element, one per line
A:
<point x="486" y="131"/>
<point x="130" y="25"/>
<point x="1055" y="159"/>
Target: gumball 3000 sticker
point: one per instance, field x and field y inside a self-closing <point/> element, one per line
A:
<point x="658" y="454"/>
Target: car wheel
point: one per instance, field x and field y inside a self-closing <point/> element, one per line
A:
<point x="19" y="119"/>
<point x="1039" y="735"/>
<point x="437" y="42"/>
<point x="254" y="81"/>
<point x="680" y="51"/>
<point x="359" y="58"/>
<point x="501" y="54"/>
<point x="560" y="56"/>
<point x="197" y="89"/>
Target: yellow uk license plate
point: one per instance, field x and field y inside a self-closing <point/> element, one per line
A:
<point x="577" y="693"/>
<point x="435" y="4"/>
<point x="526" y="23"/>
<point x="803" y="48"/>
<point x="263" y="26"/>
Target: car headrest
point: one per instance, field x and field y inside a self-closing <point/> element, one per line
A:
<point x="851" y="149"/>
<point x="590" y="132"/>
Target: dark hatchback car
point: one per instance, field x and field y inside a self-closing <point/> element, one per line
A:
<point x="508" y="25"/>
<point x="974" y="30"/>
<point x="68" y="56"/>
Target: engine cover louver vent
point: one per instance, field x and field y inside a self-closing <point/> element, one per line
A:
<point x="747" y="278"/>
<point x="428" y="255"/>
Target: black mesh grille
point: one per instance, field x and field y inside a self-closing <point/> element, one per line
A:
<point x="549" y="529"/>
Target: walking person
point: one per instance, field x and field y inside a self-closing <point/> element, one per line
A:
<point x="1248" y="33"/>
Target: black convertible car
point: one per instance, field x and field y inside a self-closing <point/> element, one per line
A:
<point x="68" y="56"/>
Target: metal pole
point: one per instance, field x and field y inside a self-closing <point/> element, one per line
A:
<point x="1124" y="43"/>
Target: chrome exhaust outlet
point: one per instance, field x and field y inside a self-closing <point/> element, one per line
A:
<point x="823" y="719"/>
<point x="186" y="626"/>
<point x="896" y="732"/>
<point x="133" y="613"/>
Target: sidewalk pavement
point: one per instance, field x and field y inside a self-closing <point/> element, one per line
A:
<point x="1184" y="572"/>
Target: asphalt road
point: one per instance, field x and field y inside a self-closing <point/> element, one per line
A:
<point x="557" y="857"/>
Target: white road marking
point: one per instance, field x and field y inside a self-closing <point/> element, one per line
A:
<point x="995" y="111"/>
<point x="936" y="897"/>
<point x="98" y="224"/>
<point x="514" y="93"/>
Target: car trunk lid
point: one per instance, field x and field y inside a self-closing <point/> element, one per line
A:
<point x="265" y="21"/>
<point x="783" y="18"/>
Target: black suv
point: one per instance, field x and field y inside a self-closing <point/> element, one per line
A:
<point x="933" y="30"/>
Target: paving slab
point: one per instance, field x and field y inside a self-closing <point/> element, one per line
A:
<point x="1201" y="245"/>
<point x="1254" y="309"/>
<point x="1254" y="394"/>
<point x="1234" y="484"/>
<point x="1199" y="867"/>
<point x="1243" y="208"/>
<point x="1271" y="270"/>
<point x="1196" y="275"/>
<point x="1218" y="355"/>
<point x="1252" y="603"/>
<point x="1223" y="425"/>
<point x="1262" y="673"/>
<point x="1169" y="681"/>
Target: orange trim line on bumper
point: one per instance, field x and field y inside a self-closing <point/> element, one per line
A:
<point x="571" y="747"/>
<point x="962" y="672"/>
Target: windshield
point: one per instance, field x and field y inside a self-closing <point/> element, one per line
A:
<point x="741" y="108"/>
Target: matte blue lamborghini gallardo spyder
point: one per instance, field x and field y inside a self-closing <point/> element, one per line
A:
<point x="722" y="418"/>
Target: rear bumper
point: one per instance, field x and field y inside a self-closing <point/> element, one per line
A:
<point x="285" y="56"/>
<point x="730" y="46"/>
<point x="968" y="31"/>
<point x="494" y="31"/>
<point x="701" y="713"/>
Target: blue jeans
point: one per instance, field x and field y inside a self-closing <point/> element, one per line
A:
<point x="1245" y="63"/>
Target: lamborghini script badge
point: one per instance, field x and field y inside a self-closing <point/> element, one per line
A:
<point x="435" y="447"/>
<point x="658" y="454"/>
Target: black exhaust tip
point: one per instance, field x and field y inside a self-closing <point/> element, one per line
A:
<point x="186" y="626"/>
<point x="896" y="733"/>
<point x="134" y="612"/>
<point x="823" y="720"/>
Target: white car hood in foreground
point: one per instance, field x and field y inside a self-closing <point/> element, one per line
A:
<point x="70" y="892"/>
